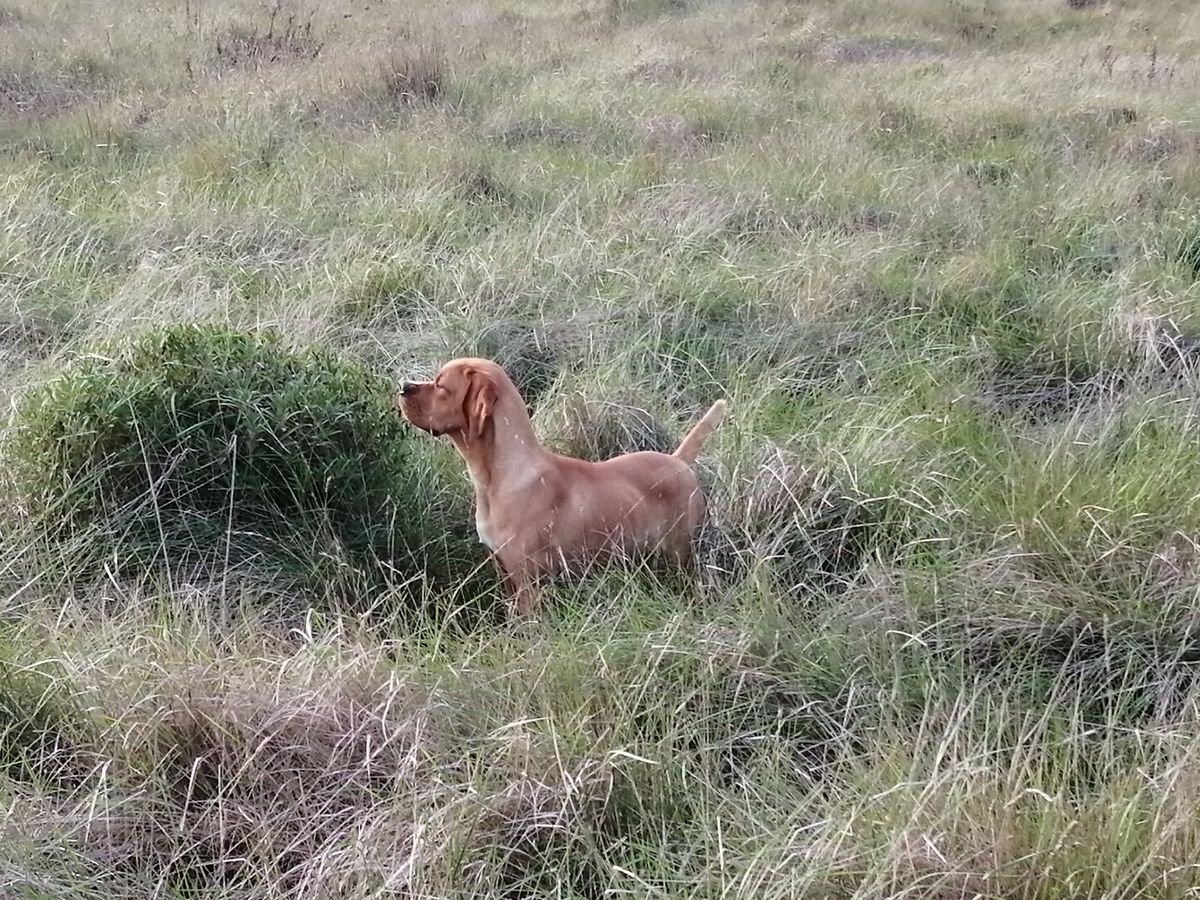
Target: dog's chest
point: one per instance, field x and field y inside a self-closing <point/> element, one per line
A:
<point x="486" y="537"/>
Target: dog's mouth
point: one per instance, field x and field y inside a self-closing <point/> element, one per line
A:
<point x="428" y="429"/>
<point x="405" y="408"/>
<point x="410" y="412"/>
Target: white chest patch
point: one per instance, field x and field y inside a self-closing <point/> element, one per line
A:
<point x="485" y="537"/>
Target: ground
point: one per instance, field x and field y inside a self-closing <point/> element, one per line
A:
<point x="943" y="258"/>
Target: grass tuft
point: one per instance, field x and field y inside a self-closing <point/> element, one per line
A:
<point x="285" y="39"/>
<point x="417" y="73"/>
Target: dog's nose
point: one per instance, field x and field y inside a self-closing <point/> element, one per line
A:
<point x="407" y="388"/>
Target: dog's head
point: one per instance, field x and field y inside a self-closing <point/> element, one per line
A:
<point x="458" y="402"/>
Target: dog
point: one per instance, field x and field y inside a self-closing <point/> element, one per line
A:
<point x="542" y="514"/>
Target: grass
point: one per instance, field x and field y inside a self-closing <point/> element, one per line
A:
<point x="941" y="257"/>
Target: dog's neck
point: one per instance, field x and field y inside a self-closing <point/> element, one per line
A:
<point x="507" y="455"/>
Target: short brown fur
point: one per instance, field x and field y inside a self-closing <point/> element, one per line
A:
<point x="541" y="513"/>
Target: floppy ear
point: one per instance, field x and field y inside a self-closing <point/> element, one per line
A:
<point x="481" y="398"/>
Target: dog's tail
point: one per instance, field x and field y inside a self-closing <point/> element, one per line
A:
<point x="689" y="449"/>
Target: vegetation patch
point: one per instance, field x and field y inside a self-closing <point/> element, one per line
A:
<point x="864" y="51"/>
<point x="633" y="11"/>
<point x="38" y="95"/>
<point x="202" y="445"/>
<point x="479" y="185"/>
<point x="35" y="331"/>
<point x="537" y="836"/>
<point x="231" y="763"/>
<point x="794" y="523"/>
<point x="1157" y="142"/>
<point x="519" y="132"/>
<point x="1187" y="250"/>
<point x="415" y="74"/>
<point x="598" y="430"/>
<point x="1042" y="392"/>
<point x="389" y="294"/>
<point x="528" y="354"/>
<point x="46" y="738"/>
<point x="683" y="134"/>
<point x="697" y="214"/>
<point x="286" y="38"/>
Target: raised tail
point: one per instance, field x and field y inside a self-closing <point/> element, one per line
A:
<point x="689" y="449"/>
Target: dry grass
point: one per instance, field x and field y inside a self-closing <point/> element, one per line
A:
<point x="249" y="47"/>
<point x="417" y="73"/>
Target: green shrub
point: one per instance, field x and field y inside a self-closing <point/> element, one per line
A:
<point x="203" y="445"/>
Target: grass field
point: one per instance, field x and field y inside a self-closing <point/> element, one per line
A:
<point x="942" y="256"/>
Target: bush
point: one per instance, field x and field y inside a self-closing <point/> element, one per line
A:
<point x="200" y="444"/>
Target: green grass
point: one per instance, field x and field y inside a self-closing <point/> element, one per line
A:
<point x="940" y="255"/>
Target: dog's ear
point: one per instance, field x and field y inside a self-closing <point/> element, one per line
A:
<point x="481" y="399"/>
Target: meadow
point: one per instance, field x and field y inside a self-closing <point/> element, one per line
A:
<point x="941" y="256"/>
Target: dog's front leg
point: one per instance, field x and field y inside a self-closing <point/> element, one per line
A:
<point x="524" y="594"/>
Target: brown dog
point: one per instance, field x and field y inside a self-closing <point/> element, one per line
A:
<point x="541" y="513"/>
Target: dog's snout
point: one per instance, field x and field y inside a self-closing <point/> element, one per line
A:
<point x="407" y="388"/>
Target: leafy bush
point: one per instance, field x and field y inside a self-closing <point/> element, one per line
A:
<point x="200" y="444"/>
